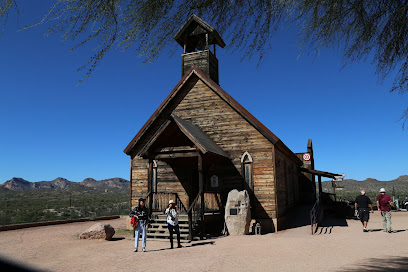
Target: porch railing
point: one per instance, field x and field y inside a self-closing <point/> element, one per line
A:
<point x="159" y="201"/>
<point x="314" y="216"/>
<point x="212" y="202"/>
<point x="194" y="216"/>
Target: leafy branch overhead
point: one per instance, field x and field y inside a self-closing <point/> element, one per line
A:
<point x="364" y="30"/>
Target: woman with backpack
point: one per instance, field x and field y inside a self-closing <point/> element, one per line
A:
<point x="172" y="222"/>
<point x="141" y="221"/>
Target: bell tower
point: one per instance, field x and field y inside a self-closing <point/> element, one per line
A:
<point x="196" y="38"/>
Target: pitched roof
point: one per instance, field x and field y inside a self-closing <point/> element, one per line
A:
<point x="190" y="27"/>
<point x="195" y="71"/>
<point x="198" y="137"/>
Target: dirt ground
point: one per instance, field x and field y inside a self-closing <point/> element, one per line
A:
<point x="340" y="248"/>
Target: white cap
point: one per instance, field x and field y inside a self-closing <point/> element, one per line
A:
<point x="171" y="201"/>
<point x="382" y="190"/>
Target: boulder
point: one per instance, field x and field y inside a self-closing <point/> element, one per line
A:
<point x="98" y="231"/>
<point x="238" y="212"/>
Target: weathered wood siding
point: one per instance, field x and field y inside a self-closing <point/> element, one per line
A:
<point x="227" y="128"/>
<point x="205" y="60"/>
<point x="198" y="104"/>
<point x="139" y="179"/>
<point x="167" y="182"/>
<point x="287" y="182"/>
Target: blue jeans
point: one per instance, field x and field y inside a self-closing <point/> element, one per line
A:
<point x="173" y="229"/>
<point x="141" y="227"/>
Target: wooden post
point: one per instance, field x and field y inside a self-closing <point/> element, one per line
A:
<point x="320" y="186"/>
<point x="190" y="226"/>
<point x="201" y="186"/>
<point x="130" y="197"/>
<point x="150" y="185"/>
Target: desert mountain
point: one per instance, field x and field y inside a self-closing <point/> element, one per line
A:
<point x="19" y="184"/>
<point x="117" y="183"/>
<point x="58" y="183"/>
<point x="399" y="184"/>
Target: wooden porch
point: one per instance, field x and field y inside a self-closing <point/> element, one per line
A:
<point x="189" y="152"/>
<point x="157" y="202"/>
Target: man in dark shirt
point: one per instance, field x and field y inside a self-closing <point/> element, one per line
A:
<point x="361" y="206"/>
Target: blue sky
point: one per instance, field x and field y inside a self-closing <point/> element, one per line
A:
<point x="50" y="127"/>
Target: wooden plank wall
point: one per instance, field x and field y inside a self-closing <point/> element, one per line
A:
<point x="204" y="108"/>
<point x="139" y="179"/>
<point x="234" y="135"/>
<point x="288" y="187"/>
<point x="168" y="182"/>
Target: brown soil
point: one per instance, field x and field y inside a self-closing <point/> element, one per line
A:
<point x="58" y="248"/>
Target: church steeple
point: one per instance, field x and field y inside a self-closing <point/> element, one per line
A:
<point x="196" y="37"/>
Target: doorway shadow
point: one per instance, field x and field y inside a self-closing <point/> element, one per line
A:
<point x="298" y="216"/>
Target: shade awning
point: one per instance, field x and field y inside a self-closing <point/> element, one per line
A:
<point x="319" y="173"/>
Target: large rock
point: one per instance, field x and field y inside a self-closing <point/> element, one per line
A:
<point x="98" y="231"/>
<point x="238" y="212"/>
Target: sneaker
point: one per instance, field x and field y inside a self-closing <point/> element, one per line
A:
<point x="365" y="230"/>
<point x="143" y="249"/>
<point x="135" y="250"/>
<point x="390" y="231"/>
<point x="179" y="246"/>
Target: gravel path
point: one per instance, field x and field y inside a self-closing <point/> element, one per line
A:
<point x="58" y="248"/>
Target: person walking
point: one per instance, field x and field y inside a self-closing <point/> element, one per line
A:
<point x="361" y="206"/>
<point x="141" y="214"/>
<point x="384" y="203"/>
<point x="172" y="222"/>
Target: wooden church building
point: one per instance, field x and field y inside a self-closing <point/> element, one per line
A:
<point x="200" y="144"/>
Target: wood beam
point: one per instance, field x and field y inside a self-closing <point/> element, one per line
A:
<point x="320" y="185"/>
<point x="154" y="138"/>
<point x="174" y="149"/>
<point x="150" y="184"/>
<point x="174" y="155"/>
<point x="201" y="187"/>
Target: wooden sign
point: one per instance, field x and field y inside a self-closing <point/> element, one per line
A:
<point x="214" y="181"/>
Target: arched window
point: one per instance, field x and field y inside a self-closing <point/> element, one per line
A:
<point x="154" y="177"/>
<point x="246" y="164"/>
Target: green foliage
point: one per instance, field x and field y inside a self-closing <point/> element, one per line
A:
<point x="50" y="205"/>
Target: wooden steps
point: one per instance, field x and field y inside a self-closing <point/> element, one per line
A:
<point x="158" y="228"/>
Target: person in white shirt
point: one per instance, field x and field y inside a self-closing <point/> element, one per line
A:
<point x="172" y="222"/>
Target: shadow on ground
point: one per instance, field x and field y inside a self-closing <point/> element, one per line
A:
<point x="298" y="217"/>
<point x="191" y="245"/>
<point x="10" y="266"/>
<point x="117" y="238"/>
<point x="392" y="264"/>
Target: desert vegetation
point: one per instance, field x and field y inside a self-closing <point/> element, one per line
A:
<point x="61" y="204"/>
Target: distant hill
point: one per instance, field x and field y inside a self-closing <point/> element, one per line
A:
<point x="370" y="185"/>
<point x="117" y="183"/>
<point x="19" y="184"/>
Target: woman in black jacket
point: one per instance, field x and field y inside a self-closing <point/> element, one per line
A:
<point x="142" y="218"/>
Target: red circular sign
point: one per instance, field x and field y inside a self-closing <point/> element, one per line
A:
<point x="306" y="157"/>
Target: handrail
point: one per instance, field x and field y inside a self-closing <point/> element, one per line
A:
<point x="178" y="200"/>
<point x="194" y="202"/>
<point x="314" y="213"/>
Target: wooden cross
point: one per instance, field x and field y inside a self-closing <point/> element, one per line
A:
<point x="200" y="5"/>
